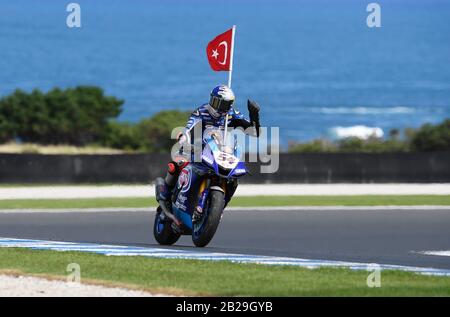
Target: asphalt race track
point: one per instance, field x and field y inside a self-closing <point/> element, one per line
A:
<point x="369" y="236"/>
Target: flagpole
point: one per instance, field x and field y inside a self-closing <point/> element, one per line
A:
<point x="229" y="80"/>
<point x="231" y="55"/>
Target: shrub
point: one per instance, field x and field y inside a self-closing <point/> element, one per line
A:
<point x="80" y="116"/>
<point x="432" y="137"/>
<point x="354" y="144"/>
<point x="155" y="132"/>
<point x="122" y="135"/>
<point x="77" y="116"/>
<point x="315" y="146"/>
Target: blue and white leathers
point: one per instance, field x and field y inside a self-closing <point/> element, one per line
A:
<point x="208" y="117"/>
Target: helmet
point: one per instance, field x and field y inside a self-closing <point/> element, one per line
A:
<point x="222" y="97"/>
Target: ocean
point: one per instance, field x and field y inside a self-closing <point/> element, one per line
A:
<point x="314" y="66"/>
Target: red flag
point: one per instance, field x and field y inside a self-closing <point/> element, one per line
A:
<point x="219" y="51"/>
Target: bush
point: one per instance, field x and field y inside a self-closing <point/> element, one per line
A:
<point x="150" y="134"/>
<point x="82" y="116"/>
<point x="76" y="116"/>
<point x="155" y="132"/>
<point x="315" y="146"/>
<point x="432" y="137"/>
<point x="372" y="145"/>
<point x="354" y="144"/>
<point x="351" y="145"/>
<point x="122" y="135"/>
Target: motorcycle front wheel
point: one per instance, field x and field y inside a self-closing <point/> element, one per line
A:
<point x="204" y="230"/>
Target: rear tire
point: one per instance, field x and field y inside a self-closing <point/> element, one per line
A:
<point x="204" y="234"/>
<point x="162" y="230"/>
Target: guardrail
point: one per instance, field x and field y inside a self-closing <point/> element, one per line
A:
<point x="293" y="168"/>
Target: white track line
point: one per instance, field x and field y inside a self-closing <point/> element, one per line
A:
<point x="340" y="208"/>
<point x="236" y="209"/>
<point x="438" y="253"/>
<point x="92" y="191"/>
<point x="118" y="250"/>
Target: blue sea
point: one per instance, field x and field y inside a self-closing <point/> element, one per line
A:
<point x="312" y="65"/>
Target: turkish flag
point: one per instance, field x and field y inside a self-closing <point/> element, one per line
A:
<point x="219" y="51"/>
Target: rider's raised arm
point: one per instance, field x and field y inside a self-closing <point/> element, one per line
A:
<point x="238" y="120"/>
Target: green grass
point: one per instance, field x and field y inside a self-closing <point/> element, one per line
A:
<point x="193" y="277"/>
<point x="357" y="200"/>
<point x="135" y="202"/>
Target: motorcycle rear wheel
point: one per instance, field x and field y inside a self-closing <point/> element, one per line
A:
<point x="203" y="233"/>
<point x="162" y="230"/>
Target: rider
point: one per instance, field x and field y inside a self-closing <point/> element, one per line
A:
<point x="212" y="114"/>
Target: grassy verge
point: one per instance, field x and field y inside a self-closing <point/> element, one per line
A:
<point x="30" y="148"/>
<point x="192" y="277"/>
<point x="255" y="201"/>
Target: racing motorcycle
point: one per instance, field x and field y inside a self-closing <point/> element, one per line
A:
<point x="205" y="186"/>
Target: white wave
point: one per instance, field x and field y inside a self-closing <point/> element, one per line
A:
<point x="364" y="110"/>
<point x="357" y="131"/>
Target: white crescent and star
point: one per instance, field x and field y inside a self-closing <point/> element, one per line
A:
<point x="215" y="53"/>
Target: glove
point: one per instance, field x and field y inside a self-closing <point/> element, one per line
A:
<point x="253" y="111"/>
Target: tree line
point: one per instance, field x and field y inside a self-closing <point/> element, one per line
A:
<point x="82" y="116"/>
<point x="427" y="138"/>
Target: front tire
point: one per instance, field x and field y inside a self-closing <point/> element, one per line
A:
<point x="204" y="231"/>
<point x="162" y="229"/>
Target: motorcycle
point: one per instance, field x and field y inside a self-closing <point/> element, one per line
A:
<point x="205" y="186"/>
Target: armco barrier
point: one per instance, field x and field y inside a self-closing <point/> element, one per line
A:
<point x="293" y="168"/>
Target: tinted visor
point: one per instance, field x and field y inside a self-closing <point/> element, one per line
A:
<point x="220" y="105"/>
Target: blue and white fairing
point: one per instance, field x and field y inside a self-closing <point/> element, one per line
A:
<point x="223" y="159"/>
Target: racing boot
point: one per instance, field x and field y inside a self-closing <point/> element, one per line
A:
<point x="162" y="190"/>
<point x="165" y="186"/>
<point x="173" y="171"/>
<point x="163" y="197"/>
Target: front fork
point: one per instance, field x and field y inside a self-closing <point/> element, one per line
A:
<point x="202" y="197"/>
<point x="227" y="187"/>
